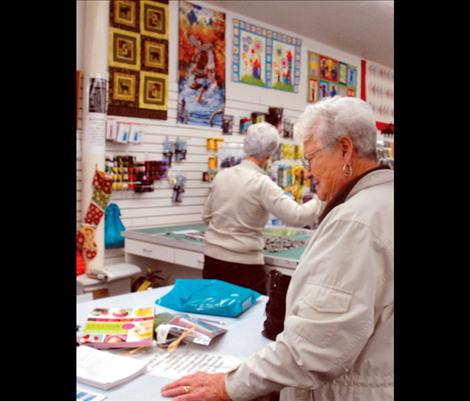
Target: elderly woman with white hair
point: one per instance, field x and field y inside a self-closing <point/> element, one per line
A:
<point x="237" y="209"/>
<point x="337" y="343"/>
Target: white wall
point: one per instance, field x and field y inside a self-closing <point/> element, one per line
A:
<point x="155" y="208"/>
<point x="80" y="32"/>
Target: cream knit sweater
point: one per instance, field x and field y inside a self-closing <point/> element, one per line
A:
<point x="238" y="207"/>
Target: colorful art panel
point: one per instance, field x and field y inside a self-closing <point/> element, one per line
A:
<point x="329" y="69"/>
<point x="285" y="57"/>
<point x="138" y="58"/>
<point x="201" y="65"/>
<point x="337" y="78"/>
<point x="265" y="58"/>
<point x="154" y="54"/>
<point x="313" y="91"/>
<point x="124" y="14"/>
<point x="249" y="64"/>
<point x="124" y="49"/>
<point x="154" y="19"/>
<point x="283" y="66"/>
<point x="152" y="92"/>
<point x="252" y="59"/>
<point x="343" y="74"/>
<point x="313" y="65"/>
<point x="324" y="89"/>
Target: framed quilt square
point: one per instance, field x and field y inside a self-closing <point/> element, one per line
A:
<point x="352" y="77"/>
<point x="333" y="89"/>
<point x="313" y="65"/>
<point x="124" y="14"/>
<point x="154" y="19"/>
<point x="153" y="91"/>
<point x="124" y="49"/>
<point x="343" y="74"/>
<point x="324" y="89"/>
<point x="154" y="54"/>
<point x="312" y="90"/>
<point x="328" y="69"/>
<point x="341" y="90"/>
<point x="123" y="87"/>
<point x="351" y="92"/>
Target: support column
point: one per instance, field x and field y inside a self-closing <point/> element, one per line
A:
<point x="95" y="70"/>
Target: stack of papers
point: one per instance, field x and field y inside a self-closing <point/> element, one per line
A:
<point x="104" y="370"/>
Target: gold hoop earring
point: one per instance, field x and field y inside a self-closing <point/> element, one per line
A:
<point x="347" y="170"/>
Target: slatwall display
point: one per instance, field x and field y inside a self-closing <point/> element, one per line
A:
<point x="151" y="209"/>
<point x="155" y="208"/>
<point x="140" y="210"/>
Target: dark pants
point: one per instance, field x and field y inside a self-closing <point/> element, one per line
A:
<point x="249" y="276"/>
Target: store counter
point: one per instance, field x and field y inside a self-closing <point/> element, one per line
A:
<point x="184" y="245"/>
<point x="242" y="339"/>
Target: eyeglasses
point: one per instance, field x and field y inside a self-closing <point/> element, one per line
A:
<point x="307" y="161"/>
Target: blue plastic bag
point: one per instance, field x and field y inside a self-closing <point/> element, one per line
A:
<point x="113" y="227"/>
<point x="210" y="297"/>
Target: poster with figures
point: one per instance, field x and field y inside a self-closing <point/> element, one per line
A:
<point x="333" y="77"/>
<point x="201" y="65"/>
<point x="265" y="58"/>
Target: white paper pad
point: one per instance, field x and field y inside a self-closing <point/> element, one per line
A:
<point x="181" y="363"/>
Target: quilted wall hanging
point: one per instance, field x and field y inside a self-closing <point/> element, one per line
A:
<point x="265" y="58"/>
<point x="377" y="89"/>
<point x="328" y="77"/>
<point x="138" y="58"/>
<point x="201" y="65"/>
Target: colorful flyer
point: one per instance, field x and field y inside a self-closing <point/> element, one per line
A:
<point x="118" y="328"/>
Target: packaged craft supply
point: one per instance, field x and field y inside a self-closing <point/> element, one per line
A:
<point x="210" y="297"/>
<point x="173" y="328"/>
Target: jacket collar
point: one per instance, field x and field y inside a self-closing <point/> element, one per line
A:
<point x="376" y="176"/>
<point x="372" y="178"/>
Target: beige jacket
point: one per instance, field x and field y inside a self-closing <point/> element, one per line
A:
<point x="238" y="207"/>
<point x="337" y="343"/>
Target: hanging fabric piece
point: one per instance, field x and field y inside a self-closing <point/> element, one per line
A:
<point x="102" y="184"/>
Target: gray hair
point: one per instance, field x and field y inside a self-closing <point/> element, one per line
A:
<point x="337" y="117"/>
<point x="261" y="140"/>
